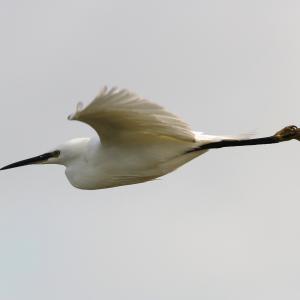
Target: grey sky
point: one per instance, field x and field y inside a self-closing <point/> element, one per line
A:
<point x="225" y="226"/>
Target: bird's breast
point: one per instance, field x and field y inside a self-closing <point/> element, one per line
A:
<point x="115" y="166"/>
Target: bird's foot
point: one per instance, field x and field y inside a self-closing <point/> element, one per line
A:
<point x="288" y="133"/>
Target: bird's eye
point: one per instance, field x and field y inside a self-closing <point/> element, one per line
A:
<point x="56" y="153"/>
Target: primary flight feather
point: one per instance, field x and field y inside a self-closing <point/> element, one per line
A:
<point x="117" y="114"/>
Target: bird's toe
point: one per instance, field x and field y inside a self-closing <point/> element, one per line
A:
<point x="288" y="133"/>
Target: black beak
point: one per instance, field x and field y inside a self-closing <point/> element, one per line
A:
<point x="34" y="160"/>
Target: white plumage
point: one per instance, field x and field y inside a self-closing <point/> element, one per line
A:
<point x="120" y="114"/>
<point x="140" y="141"/>
<point x="136" y="141"/>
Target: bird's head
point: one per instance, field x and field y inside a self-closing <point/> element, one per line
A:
<point x="64" y="154"/>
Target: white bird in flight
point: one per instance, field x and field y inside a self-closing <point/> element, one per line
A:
<point x="137" y="141"/>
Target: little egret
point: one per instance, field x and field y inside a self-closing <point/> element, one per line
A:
<point x="140" y="141"/>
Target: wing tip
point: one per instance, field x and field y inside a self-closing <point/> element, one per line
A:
<point x="79" y="108"/>
<point x="70" y="117"/>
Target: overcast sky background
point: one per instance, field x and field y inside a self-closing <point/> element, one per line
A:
<point x="226" y="225"/>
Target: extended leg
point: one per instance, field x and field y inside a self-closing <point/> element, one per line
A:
<point x="285" y="134"/>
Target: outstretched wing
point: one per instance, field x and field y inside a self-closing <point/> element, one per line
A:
<point x="120" y="116"/>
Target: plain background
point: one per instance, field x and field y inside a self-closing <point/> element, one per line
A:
<point x="225" y="226"/>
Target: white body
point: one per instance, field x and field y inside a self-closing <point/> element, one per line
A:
<point x="137" y="141"/>
<point x="98" y="166"/>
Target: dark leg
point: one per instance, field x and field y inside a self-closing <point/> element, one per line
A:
<point x="286" y="134"/>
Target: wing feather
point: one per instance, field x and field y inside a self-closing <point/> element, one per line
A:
<point x="120" y="115"/>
